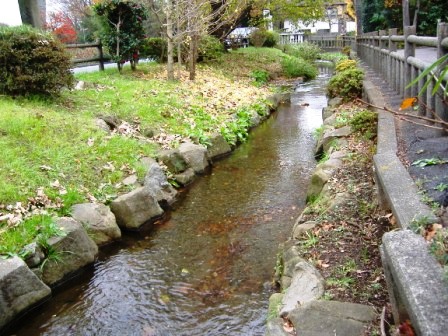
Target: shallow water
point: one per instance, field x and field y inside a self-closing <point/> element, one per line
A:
<point x="207" y="269"/>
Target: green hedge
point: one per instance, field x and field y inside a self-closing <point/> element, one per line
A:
<point x="32" y="62"/>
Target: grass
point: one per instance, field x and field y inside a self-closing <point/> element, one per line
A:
<point x="54" y="149"/>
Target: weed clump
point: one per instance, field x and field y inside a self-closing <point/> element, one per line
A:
<point x="32" y="63"/>
<point x="365" y="122"/>
<point x="298" y="67"/>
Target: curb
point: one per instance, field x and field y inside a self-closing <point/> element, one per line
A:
<point x="414" y="278"/>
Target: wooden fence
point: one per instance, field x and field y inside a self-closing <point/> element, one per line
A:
<point x="328" y="42"/>
<point x="100" y="58"/>
<point x="400" y="59"/>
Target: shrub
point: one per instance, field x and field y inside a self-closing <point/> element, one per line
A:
<point x="333" y="57"/>
<point x="257" y="38"/>
<point x="272" y="39"/>
<point x="155" y="48"/>
<point x="346" y="84"/>
<point x="210" y="48"/>
<point x="297" y="67"/>
<point x="365" y="122"/>
<point x="345" y="64"/>
<point x="32" y="62"/>
<point x="305" y="50"/>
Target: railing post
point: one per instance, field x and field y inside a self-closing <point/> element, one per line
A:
<point x="409" y="50"/>
<point x="101" y="56"/>
<point x="441" y="103"/>
<point x="392" y="46"/>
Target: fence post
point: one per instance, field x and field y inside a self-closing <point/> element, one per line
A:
<point x="101" y="56"/>
<point x="441" y="106"/>
<point x="409" y="50"/>
<point x="392" y="46"/>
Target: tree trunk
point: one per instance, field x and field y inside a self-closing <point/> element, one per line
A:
<point x="193" y="55"/>
<point x="359" y="16"/>
<point x="406" y="17"/>
<point x="170" y="38"/>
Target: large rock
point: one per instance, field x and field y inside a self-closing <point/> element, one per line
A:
<point x="172" y="159"/>
<point x="156" y="182"/>
<point x="136" y="208"/>
<point x="274" y="327"/>
<point x="323" y="172"/>
<point x="98" y="220"/>
<point x="307" y="285"/>
<point x="329" y="136"/>
<point x="329" y="318"/>
<point x="218" y="146"/>
<point x="185" y="177"/>
<point x="195" y="156"/>
<point x="73" y="250"/>
<point x="20" y="289"/>
<point x="335" y="102"/>
<point x="300" y="230"/>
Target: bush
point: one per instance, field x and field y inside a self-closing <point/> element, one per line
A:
<point x="257" y="38"/>
<point x="32" y="62"/>
<point x="272" y="39"/>
<point x="210" y="48"/>
<point x="155" y="48"/>
<point x="346" y="84"/>
<point x="260" y="77"/>
<point x="345" y="65"/>
<point x="365" y="122"/>
<point x="297" y="67"/>
<point x="305" y="50"/>
<point x="333" y="57"/>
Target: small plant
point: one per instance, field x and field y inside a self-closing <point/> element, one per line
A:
<point x="260" y="77"/>
<point x="428" y="162"/>
<point x="418" y="225"/>
<point x="319" y="132"/>
<point x="310" y="240"/>
<point x="441" y="187"/>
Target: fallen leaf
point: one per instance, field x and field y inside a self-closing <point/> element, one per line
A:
<point x="408" y="102"/>
<point x="431" y="231"/>
<point x="405" y="329"/>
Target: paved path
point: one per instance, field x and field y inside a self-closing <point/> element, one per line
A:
<point x="426" y="54"/>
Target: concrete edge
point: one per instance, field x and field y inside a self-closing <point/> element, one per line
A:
<point x="420" y="297"/>
<point x="414" y="278"/>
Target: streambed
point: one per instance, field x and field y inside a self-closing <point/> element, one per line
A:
<point x="207" y="269"/>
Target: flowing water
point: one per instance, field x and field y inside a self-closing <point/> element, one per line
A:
<point x="207" y="269"/>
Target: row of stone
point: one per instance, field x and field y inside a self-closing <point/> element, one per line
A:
<point x="25" y="284"/>
<point x="302" y="286"/>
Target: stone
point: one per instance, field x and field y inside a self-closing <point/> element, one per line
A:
<point x="20" y="289"/>
<point x="130" y="180"/>
<point x="338" y="200"/>
<point x="327" y="112"/>
<point x="218" y="146"/>
<point x="98" y="220"/>
<point x="335" y="102"/>
<point x="274" y="327"/>
<point x="276" y="99"/>
<point x="323" y="172"/>
<point x="301" y="229"/>
<point x="74" y="250"/>
<point x="80" y="85"/>
<point x="195" y="156"/>
<point x="173" y="160"/>
<point x="255" y="119"/>
<point x="33" y="254"/>
<point x="136" y="208"/>
<point x="101" y="124"/>
<point x="275" y="301"/>
<point x="329" y="318"/>
<point x="186" y="177"/>
<point x="157" y="183"/>
<point x="329" y="136"/>
<point x="416" y="283"/>
<point x="307" y="285"/>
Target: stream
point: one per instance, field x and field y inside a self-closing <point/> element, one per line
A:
<point x="207" y="269"/>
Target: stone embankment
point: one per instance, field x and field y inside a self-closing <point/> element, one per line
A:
<point x="26" y="284"/>
<point x="416" y="284"/>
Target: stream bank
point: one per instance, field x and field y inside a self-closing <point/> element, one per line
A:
<point x="206" y="269"/>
